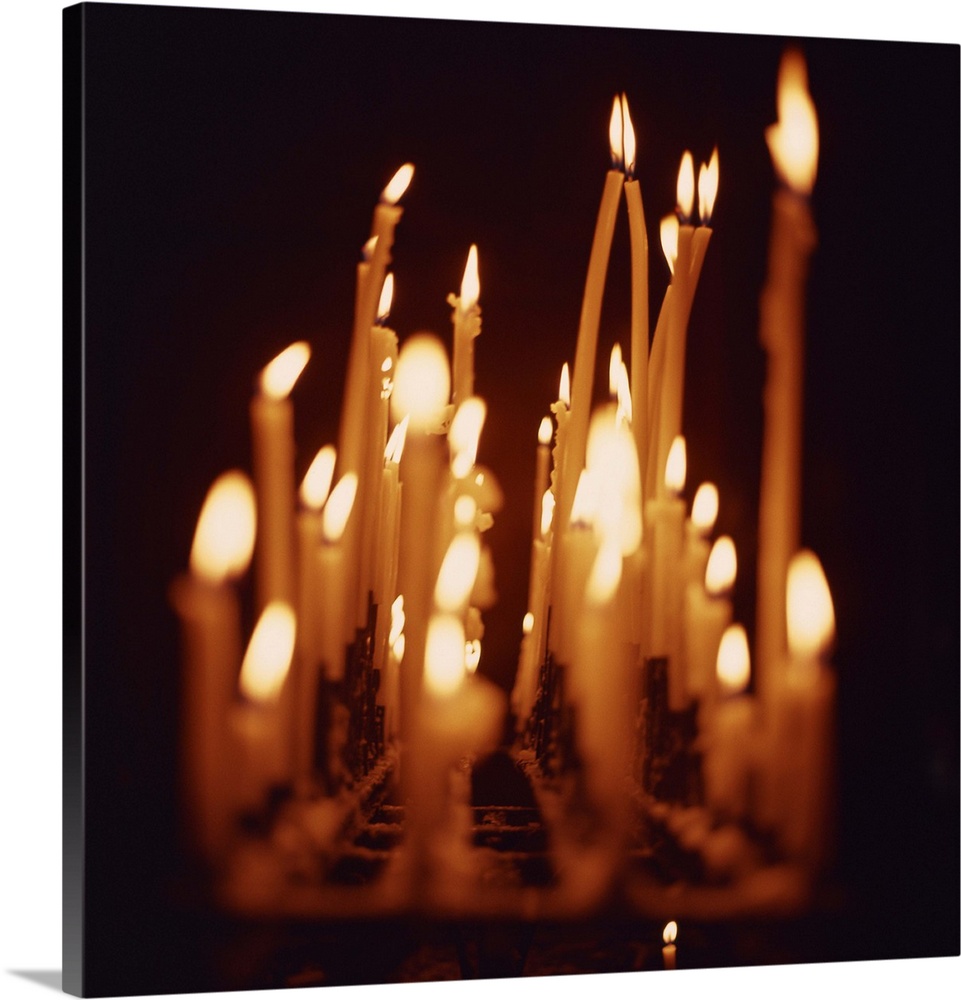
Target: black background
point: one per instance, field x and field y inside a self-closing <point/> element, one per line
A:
<point x="232" y="163"/>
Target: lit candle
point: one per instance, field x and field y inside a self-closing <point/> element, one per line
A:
<point x="209" y="616"/>
<point x="272" y="438"/>
<point x="793" y="143"/>
<point x="336" y="625"/>
<point x="669" y="951"/>
<point x="707" y="614"/>
<point x="804" y="717"/>
<point x="699" y="525"/>
<point x="421" y="391"/>
<point x="258" y="732"/>
<point x="707" y="183"/>
<point x="730" y="732"/>
<point x="544" y="434"/>
<point x="385" y="552"/>
<point x="306" y="666"/>
<point x="562" y="414"/>
<point x="585" y="356"/>
<point x="640" y="319"/>
<point x="467" y="326"/>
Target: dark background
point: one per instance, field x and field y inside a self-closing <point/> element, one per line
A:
<point x="232" y="162"/>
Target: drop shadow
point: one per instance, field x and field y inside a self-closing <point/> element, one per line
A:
<point x="51" y="978"/>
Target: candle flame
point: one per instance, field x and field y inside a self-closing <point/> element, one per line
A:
<point x="605" y="574"/>
<point x="224" y="537"/>
<point x="584" y="506"/>
<point x="704" y="509"/>
<point x="421" y="382"/>
<point x="733" y="660"/>
<point x="398" y="646"/>
<point x="470" y="283"/>
<point x="630" y="141"/>
<point x="444" y="664"/>
<point x="544" y="431"/>
<point x="721" y="569"/>
<point x="810" y="611"/>
<point x="547" y="512"/>
<point x="397" y="619"/>
<point x="278" y="378"/>
<point x="675" y="469"/>
<point x="670" y="932"/>
<point x="472" y="654"/>
<point x="793" y="141"/>
<point x="320" y="474"/>
<point x="464" y="435"/>
<point x="625" y="408"/>
<point x="465" y="511"/>
<point x="612" y="462"/>
<point x="564" y="389"/>
<point x="707" y="181"/>
<point x="616" y="135"/>
<point x="397" y="185"/>
<point x="367" y="250"/>
<point x="338" y="508"/>
<point x="669" y="237"/>
<point x="386" y="300"/>
<point x="269" y="653"/>
<point x="612" y="370"/>
<point x="458" y="572"/>
<point x="395" y="443"/>
<point x="528" y="624"/>
<point x="685" y="186"/>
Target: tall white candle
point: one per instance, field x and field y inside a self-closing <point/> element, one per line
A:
<point x="467" y="326"/>
<point x="707" y="614"/>
<point x="207" y="606"/>
<point x="793" y="143"/>
<point x="544" y="434"/>
<point x="272" y="438"/>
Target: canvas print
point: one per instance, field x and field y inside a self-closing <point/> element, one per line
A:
<point x="516" y="500"/>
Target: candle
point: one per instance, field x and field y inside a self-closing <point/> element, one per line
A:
<point x="272" y="438"/>
<point x="707" y="614"/>
<point x="669" y="951"/>
<point x="467" y="326"/>
<point x="306" y="667"/>
<point x="421" y="391"/>
<point x="585" y="356"/>
<point x="385" y="551"/>
<point x="562" y="414"/>
<point x="699" y="525"/>
<point x="727" y="762"/>
<point x="793" y="143"/>
<point x="640" y="320"/>
<point x="336" y="627"/>
<point x="707" y="184"/>
<point x="804" y="717"/>
<point x="256" y="724"/>
<point x="655" y="370"/>
<point x="544" y="434"/>
<point x="210" y="622"/>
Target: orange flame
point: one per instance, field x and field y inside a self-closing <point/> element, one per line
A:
<point x="721" y="569"/>
<point x="630" y="141"/>
<point x="616" y="135"/>
<point x="793" y="141"/>
<point x="670" y="932"/>
<point x="733" y="660"/>
<point x="397" y="185"/>
<point x="704" y="509"/>
<point x="269" y="653"/>
<point x="810" y="611"/>
<point x="707" y="181"/>
<point x="675" y="469"/>
<point x="669" y="239"/>
<point x="564" y="389"/>
<point x="386" y="300"/>
<point x="421" y="381"/>
<point x="444" y="665"/>
<point x="316" y="484"/>
<point x="338" y="508"/>
<point x="278" y="378"/>
<point x="470" y="283"/>
<point x="224" y="538"/>
<point x="685" y="186"/>
<point x="544" y="431"/>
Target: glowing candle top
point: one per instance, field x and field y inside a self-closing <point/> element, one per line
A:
<point x="793" y="141"/>
<point x="630" y="141"/>
<point x="224" y="538"/>
<point x="707" y="181"/>
<point x="733" y="660"/>
<point x="704" y="509"/>
<point x="810" y="611"/>
<point x="397" y="185"/>
<point x="616" y="135"/>
<point x="721" y="568"/>
<point x="421" y="382"/>
<point x="278" y="378"/>
<point x="444" y="655"/>
<point x="675" y="469"/>
<point x="669" y="935"/>
<point x="268" y="655"/>
<point x="316" y="484"/>
<point x="386" y="299"/>
<point x="470" y="283"/>
<point x="669" y="237"/>
<point x="685" y="186"/>
<point x="338" y="507"/>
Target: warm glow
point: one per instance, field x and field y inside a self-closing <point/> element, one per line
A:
<point x="733" y="660"/>
<point x="458" y="571"/>
<point x="465" y="511"/>
<point x="421" y="382"/>
<point x="316" y="484"/>
<point x="670" y="932"/>
<point x="444" y="665"/>
<point x="367" y="250"/>
<point x="612" y="461"/>
<point x="564" y="389"/>
<point x="397" y="619"/>
<point x="704" y="509"/>
<point x="398" y="185"/>
<point x="613" y="368"/>
<point x="386" y="299"/>
<point x="675" y="471"/>
<point x="278" y="378"/>
<point x="707" y="181"/>
<point x="464" y="435"/>
<point x="470" y="283"/>
<point x="625" y="408"/>
<point x="224" y="538"/>
<point x="338" y="507"/>
<point x="472" y="654"/>
<point x="544" y="431"/>
<point x="584" y="506"/>
<point x="669" y="237"/>
<point x="398" y="646"/>
<point x="721" y="569"/>
<point x="793" y="141"/>
<point x="605" y="574"/>
<point x="810" y="611"/>
<point x="630" y="142"/>
<point x="547" y="512"/>
<point x="685" y="186"/>
<point x="395" y="443"/>
<point x="616" y="135"/>
<point x="268" y="655"/>
<point x="527" y="625"/>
